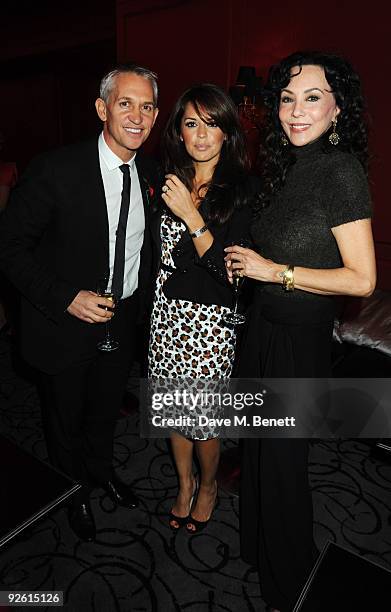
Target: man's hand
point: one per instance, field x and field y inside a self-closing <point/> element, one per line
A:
<point x="87" y="307"/>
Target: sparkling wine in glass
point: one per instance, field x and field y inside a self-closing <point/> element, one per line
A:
<point x="234" y="317"/>
<point x="102" y="289"/>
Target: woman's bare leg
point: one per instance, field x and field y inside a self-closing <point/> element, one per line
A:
<point x="182" y="449"/>
<point x="208" y="452"/>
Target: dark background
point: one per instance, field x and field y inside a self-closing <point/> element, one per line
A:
<point x="52" y="55"/>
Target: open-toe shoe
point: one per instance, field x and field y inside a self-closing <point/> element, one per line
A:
<point x="181" y="521"/>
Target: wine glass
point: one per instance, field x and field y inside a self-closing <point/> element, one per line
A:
<point x="234" y="317"/>
<point x="102" y="289"/>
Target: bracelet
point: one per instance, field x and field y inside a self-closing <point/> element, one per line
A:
<point x="199" y="232"/>
<point x="288" y="279"/>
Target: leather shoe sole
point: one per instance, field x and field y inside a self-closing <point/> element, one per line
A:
<point x="82" y="522"/>
<point x="121" y="494"/>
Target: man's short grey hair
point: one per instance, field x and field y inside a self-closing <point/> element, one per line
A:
<point x="108" y="81"/>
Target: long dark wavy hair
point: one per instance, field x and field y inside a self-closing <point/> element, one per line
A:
<point x="226" y="190"/>
<point x="344" y="83"/>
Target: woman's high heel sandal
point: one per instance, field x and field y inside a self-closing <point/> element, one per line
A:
<point x="181" y="521"/>
<point x="193" y="526"/>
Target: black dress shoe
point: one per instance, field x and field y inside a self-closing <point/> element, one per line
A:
<point x="121" y="494"/>
<point x="82" y="521"/>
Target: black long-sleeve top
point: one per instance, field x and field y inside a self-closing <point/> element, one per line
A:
<point x="203" y="279"/>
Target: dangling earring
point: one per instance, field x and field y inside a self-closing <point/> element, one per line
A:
<point x="284" y="140"/>
<point x="334" y="136"/>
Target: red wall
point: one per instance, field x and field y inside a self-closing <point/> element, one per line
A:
<point x="52" y="56"/>
<point x="206" y="40"/>
<point x="175" y="39"/>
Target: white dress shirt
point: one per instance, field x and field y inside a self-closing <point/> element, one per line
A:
<point x="112" y="182"/>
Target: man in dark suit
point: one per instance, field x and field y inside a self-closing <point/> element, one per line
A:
<point x="78" y="214"/>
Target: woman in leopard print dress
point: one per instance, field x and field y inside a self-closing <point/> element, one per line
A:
<point x="207" y="197"/>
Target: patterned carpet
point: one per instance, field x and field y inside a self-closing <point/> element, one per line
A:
<point x="137" y="564"/>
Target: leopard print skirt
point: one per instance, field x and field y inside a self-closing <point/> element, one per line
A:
<point x="187" y="339"/>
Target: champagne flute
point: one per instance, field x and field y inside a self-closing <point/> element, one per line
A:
<point x="234" y="317"/>
<point x="102" y="289"/>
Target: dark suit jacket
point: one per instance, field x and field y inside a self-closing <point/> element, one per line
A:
<point x="203" y="279"/>
<point x="54" y="242"/>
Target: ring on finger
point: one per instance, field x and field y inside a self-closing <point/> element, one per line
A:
<point x="165" y="188"/>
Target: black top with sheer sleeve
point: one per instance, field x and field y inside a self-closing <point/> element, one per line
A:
<point x="203" y="279"/>
<point x="323" y="189"/>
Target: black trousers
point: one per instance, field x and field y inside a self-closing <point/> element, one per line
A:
<point x="80" y="406"/>
<point x="285" y="338"/>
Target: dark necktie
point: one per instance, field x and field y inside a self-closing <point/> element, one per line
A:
<point x="119" y="256"/>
